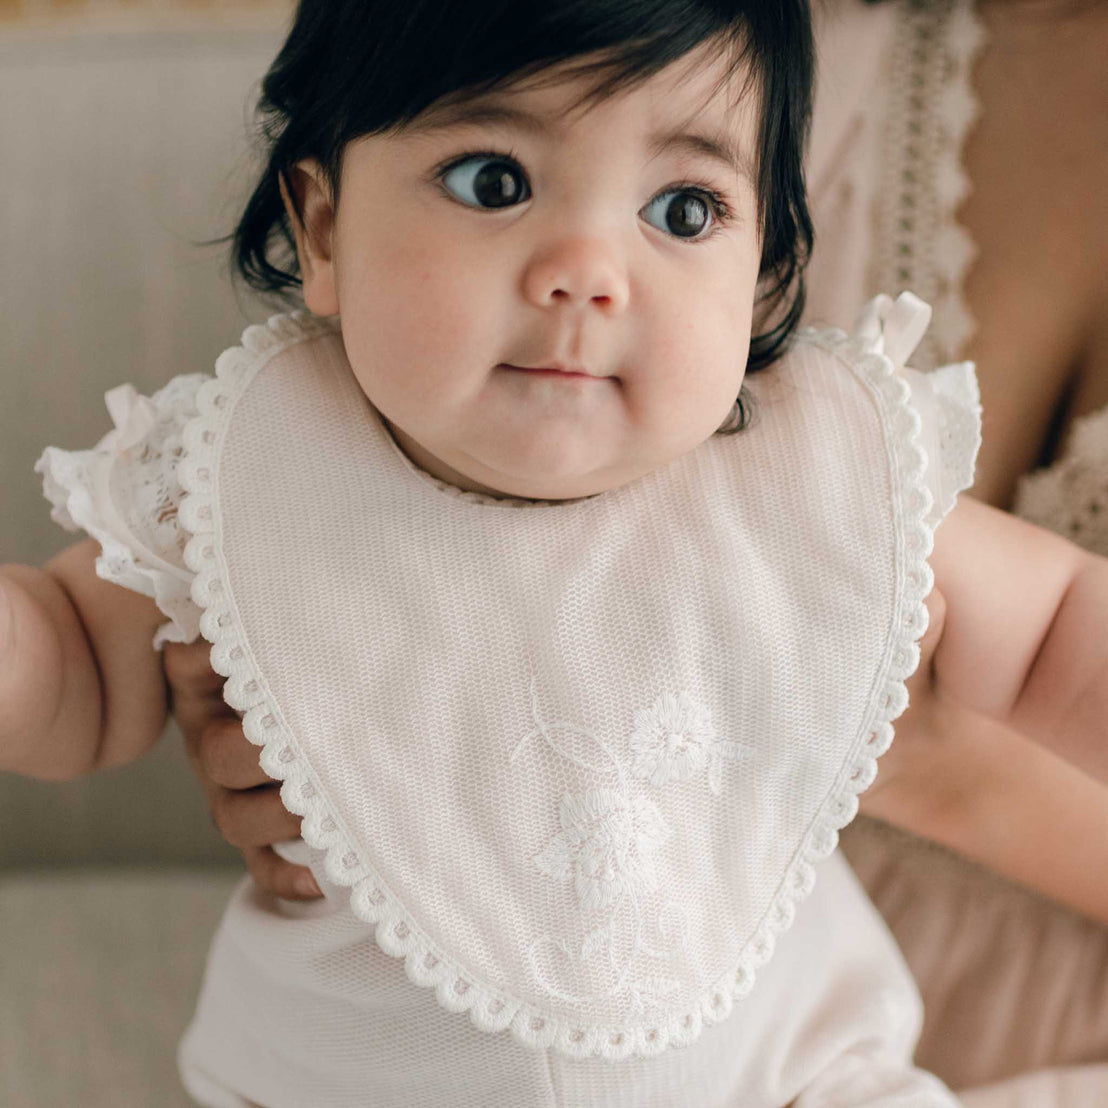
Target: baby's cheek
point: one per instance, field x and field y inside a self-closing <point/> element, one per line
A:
<point x="409" y="311"/>
<point x="704" y="358"/>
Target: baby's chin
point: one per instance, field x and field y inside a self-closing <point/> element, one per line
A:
<point x="539" y="483"/>
<point x="535" y="466"/>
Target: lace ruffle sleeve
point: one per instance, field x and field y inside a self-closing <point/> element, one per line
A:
<point x="946" y="400"/>
<point x="124" y="493"/>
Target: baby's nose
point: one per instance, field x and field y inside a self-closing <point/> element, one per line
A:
<point x="577" y="271"/>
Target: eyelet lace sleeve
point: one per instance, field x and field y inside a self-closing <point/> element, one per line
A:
<point x="125" y="494"/>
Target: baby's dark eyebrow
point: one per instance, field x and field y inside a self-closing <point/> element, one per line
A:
<point x="720" y="148"/>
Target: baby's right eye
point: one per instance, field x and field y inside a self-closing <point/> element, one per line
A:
<point x="486" y="181"/>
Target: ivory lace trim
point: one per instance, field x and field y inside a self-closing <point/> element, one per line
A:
<point x="397" y="933"/>
<point x="1071" y="496"/>
<point x="930" y="109"/>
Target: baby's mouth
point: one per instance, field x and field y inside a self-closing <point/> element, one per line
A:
<point x="555" y="371"/>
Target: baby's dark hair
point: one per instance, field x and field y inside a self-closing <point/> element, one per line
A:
<point x="351" y="68"/>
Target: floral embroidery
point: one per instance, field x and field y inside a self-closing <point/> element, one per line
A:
<point x="674" y="740"/>
<point x="606" y="845"/>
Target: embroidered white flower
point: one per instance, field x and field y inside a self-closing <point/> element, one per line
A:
<point x="606" y="846"/>
<point x="675" y="739"/>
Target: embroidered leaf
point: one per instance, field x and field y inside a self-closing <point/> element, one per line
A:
<point x="657" y="987"/>
<point x="595" y="942"/>
<point x="732" y="752"/>
<point x="578" y="813"/>
<point x="555" y="859"/>
<point x="651" y="829"/>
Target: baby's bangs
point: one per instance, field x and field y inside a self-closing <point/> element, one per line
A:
<point x="487" y="46"/>
<point x="477" y="49"/>
<point x="620" y="68"/>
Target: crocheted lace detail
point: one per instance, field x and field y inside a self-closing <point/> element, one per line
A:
<point x="371" y="899"/>
<point x="124" y="493"/>
<point x="930" y="108"/>
<point x="959" y="408"/>
<point x="1071" y="497"/>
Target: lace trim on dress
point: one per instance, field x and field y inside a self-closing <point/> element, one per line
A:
<point x="396" y="931"/>
<point x="959" y="409"/>
<point x="929" y="109"/>
<point x="124" y="493"/>
<point x="1071" y="496"/>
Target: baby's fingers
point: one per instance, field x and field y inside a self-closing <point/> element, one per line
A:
<point x="273" y="874"/>
<point x="253" y="817"/>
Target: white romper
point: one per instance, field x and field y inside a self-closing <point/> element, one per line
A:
<point x="571" y="772"/>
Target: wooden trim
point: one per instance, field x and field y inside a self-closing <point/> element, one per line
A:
<point x="143" y="14"/>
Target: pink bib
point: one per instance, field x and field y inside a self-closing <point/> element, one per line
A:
<point x="576" y="761"/>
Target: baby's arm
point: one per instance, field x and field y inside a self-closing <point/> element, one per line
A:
<point x="81" y="687"/>
<point x="1025" y="639"/>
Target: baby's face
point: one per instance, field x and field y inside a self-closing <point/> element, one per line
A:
<point x="488" y="246"/>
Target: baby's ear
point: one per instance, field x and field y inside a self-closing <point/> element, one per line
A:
<point x="311" y="211"/>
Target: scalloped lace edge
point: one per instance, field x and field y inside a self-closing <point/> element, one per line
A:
<point x="1046" y="496"/>
<point x="959" y="108"/>
<point x="959" y="404"/>
<point x="396" y="932"/>
<point x="67" y="485"/>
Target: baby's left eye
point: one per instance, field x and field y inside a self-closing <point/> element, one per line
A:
<point x="683" y="213"/>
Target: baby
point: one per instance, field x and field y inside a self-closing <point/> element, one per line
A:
<point x="572" y="644"/>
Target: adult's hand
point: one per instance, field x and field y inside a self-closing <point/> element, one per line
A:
<point x="975" y="786"/>
<point x="245" y="802"/>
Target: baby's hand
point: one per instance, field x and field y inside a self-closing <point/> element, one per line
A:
<point x="245" y="802"/>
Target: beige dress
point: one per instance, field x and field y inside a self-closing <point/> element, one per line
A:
<point x="1011" y="982"/>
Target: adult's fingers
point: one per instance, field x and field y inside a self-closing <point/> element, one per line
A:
<point x="252" y="817"/>
<point x="274" y="875"/>
<point x="188" y="668"/>
<point x="224" y="756"/>
<point x="195" y="693"/>
<point x="245" y="805"/>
